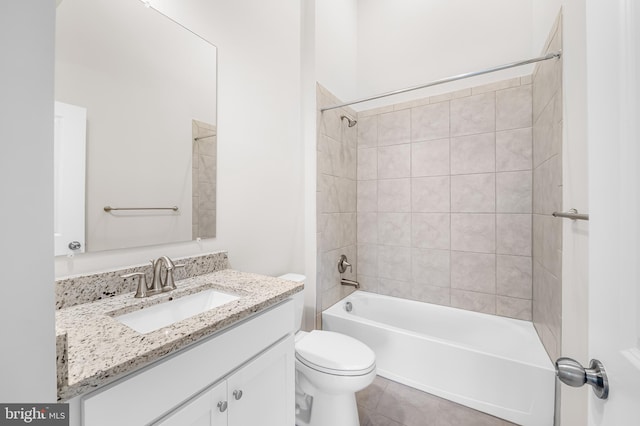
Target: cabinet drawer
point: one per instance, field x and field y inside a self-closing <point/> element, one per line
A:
<point x="141" y="397"/>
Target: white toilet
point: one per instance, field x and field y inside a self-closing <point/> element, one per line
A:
<point x="330" y="369"/>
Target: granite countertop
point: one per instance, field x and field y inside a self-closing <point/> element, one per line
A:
<point x="99" y="349"/>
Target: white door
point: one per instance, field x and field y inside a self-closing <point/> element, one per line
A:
<point x="262" y="392"/>
<point x="208" y="409"/>
<point x="613" y="100"/>
<point x="69" y="178"/>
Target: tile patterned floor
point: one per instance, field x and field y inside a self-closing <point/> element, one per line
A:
<point x="387" y="403"/>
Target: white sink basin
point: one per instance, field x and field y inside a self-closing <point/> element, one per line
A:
<point x="158" y="316"/>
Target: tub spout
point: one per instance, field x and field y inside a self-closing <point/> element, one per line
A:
<point x="345" y="281"/>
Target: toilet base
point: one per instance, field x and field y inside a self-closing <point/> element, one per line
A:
<point x="332" y="410"/>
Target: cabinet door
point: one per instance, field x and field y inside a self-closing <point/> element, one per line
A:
<point x="204" y="410"/>
<point x="263" y="392"/>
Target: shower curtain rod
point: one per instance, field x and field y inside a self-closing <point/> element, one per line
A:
<point x="449" y="79"/>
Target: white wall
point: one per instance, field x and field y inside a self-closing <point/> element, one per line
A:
<point x="544" y="13"/>
<point x="308" y="136"/>
<point x="575" y="233"/>
<point x="27" y="358"/>
<point x="336" y="46"/>
<point x="260" y="152"/>
<point x="142" y="84"/>
<point x="410" y="42"/>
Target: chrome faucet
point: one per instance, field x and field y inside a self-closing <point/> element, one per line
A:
<point x="159" y="283"/>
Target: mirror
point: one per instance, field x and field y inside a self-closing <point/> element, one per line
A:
<point x="135" y="128"/>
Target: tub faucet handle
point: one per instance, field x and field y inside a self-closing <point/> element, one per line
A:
<point x="343" y="264"/>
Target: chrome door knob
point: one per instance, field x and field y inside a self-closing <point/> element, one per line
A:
<point x="222" y="406"/>
<point x="572" y="373"/>
<point x="237" y="394"/>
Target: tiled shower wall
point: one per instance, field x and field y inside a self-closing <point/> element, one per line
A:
<point x="547" y="196"/>
<point x="444" y="199"/>
<point x="204" y="166"/>
<point x="336" y="201"/>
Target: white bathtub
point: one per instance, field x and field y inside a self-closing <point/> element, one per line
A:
<point x="493" y="364"/>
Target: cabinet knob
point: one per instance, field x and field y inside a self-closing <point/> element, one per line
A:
<point x="237" y="394"/>
<point x="222" y="406"/>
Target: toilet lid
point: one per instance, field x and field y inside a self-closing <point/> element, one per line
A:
<point x="335" y="353"/>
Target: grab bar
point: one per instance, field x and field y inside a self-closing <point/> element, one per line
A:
<point x="110" y="209"/>
<point x="571" y="214"/>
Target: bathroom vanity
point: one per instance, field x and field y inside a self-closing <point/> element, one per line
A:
<point x="230" y="365"/>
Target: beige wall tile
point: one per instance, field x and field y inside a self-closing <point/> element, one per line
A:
<point x="430" y="267"/>
<point x="367" y="196"/>
<point x="547" y="79"/>
<point x="394" y="263"/>
<point x="368" y="283"/>
<point x="394" y="229"/>
<point x="394" y="195"/>
<point x="513" y="234"/>
<point x="430" y="158"/>
<point x="473" y="115"/>
<point x="514" y="276"/>
<point x="473" y="193"/>
<point x="394" y="128"/>
<point x="394" y="161"/>
<point x="473" y="232"/>
<point x="499" y="85"/>
<point x="375" y="111"/>
<point x="207" y="196"/>
<point x="349" y="134"/>
<point x="411" y="104"/>
<point x="327" y="196"/>
<point x="430" y="122"/>
<point x="513" y="108"/>
<point x="367" y="164"/>
<point x="551" y="250"/>
<point x="547" y="141"/>
<point x="328" y="156"/>
<point x="331" y="125"/>
<point x="472" y="301"/>
<point x="430" y="194"/>
<point x="431" y="294"/>
<point x="514" y="308"/>
<point x="514" y="192"/>
<point x="346" y="194"/>
<point x="547" y="186"/>
<point x="367" y="228"/>
<point x="367" y="132"/>
<point x="430" y="230"/>
<point x="473" y="154"/>
<point x="394" y="288"/>
<point x="514" y="150"/>
<point x="473" y="272"/>
<point x="368" y="259"/>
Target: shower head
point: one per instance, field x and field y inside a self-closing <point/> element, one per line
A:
<point x="351" y="121"/>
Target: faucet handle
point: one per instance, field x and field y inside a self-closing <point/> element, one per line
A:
<point x="343" y="264"/>
<point x="169" y="281"/>
<point x="142" y="283"/>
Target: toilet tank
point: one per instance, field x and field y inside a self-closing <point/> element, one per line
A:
<point x="298" y="298"/>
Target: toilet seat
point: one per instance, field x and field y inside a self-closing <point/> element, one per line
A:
<point x="335" y="354"/>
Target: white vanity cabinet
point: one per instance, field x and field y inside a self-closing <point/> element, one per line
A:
<point x="254" y="356"/>
<point x="256" y="394"/>
<point x="203" y="410"/>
